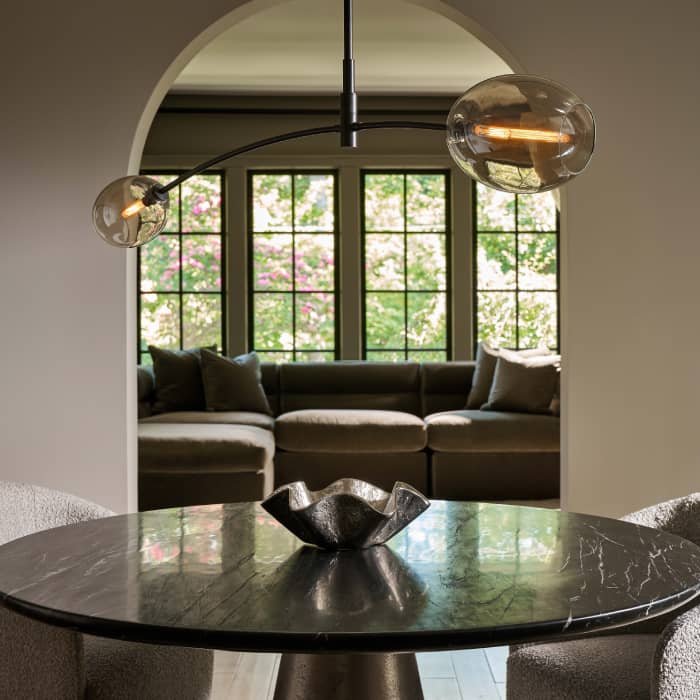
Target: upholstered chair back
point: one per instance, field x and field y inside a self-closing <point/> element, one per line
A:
<point x="25" y="509"/>
<point x="680" y="516"/>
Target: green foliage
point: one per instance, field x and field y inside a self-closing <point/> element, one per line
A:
<point x="313" y="203"/>
<point x="384" y="202"/>
<point x="425" y="202"/>
<point x="397" y="208"/>
<point x="201" y="204"/>
<point x="523" y="257"/>
<point x="299" y="262"/>
<point x="201" y="320"/>
<point x="160" y="320"/>
<point x="385" y="320"/>
<point x="187" y="261"/>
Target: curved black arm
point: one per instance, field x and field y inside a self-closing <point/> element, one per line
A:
<point x="291" y="135"/>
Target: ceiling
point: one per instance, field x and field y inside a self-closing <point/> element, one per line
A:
<point x="296" y="47"/>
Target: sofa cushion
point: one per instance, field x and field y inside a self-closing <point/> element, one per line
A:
<point x="383" y="386"/>
<point x="348" y="430"/>
<point x="178" y="380"/>
<point x="486" y="358"/>
<point x="445" y="385"/>
<point x="259" y="420"/>
<point x="525" y="386"/>
<point x="233" y="383"/>
<point x="492" y="431"/>
<point x="187" y="448"/>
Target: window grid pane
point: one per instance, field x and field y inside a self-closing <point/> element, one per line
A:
<point x="181" y="293"/>
<point x="405" y="241"/>
<point x="516" y="269"/>
<point x="292" y="233"/>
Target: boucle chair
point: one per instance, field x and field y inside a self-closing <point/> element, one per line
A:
<point x="42" y="662"/>
<point x="657" y="659"/>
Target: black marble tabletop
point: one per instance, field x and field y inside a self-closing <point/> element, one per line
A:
<point x="461" y="575"/>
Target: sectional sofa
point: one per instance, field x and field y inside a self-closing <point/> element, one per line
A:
<point x="380" y="422"/>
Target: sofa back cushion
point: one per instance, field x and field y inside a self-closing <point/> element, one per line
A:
<point x="270" y="380"/>
<point x="446" y="385"/>
<point x="380" y="386"/>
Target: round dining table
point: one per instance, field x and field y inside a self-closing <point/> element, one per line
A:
<point x="348" y="622"/>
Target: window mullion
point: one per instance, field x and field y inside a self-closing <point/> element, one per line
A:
<point x="236" y="242"/>
<point x="349" y="257"/>
<point x="462" y="240"/>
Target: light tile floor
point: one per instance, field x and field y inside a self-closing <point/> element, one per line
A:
<point x="471" y="674"/>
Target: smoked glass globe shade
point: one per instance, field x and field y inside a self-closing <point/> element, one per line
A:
<point x="123" y="218"/>
<point x="520" y="133"/>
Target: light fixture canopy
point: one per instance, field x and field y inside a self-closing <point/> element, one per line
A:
<point x="130" y="211"/>
<point x="520" y="133"/>
<point x="517" y="133"/>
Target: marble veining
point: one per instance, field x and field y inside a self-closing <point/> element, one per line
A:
<point x="462" y="574"/>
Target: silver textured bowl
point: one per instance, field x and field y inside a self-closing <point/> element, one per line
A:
<point x="348" y="514"/>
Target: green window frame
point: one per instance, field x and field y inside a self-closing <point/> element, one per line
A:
<point x="293" y="270"/>
<point x="516" y="269"/>
<point x="182" y="273"/>
<point x="406" y="306"/>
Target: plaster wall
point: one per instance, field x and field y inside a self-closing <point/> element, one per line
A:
<point x="80" y="84"/>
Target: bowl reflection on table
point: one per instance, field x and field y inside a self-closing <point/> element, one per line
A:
<point x="363" y="584"/>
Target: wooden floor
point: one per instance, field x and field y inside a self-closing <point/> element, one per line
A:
<point x="472" y="674"/>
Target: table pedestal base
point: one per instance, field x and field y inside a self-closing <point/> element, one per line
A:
<point x="348" y="677"/>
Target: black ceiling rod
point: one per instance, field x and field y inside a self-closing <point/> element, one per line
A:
<point x="348" y="98"/>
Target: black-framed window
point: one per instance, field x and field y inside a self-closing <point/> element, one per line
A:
<point x="516" y="269"/>
<point x="181" y="281"/>
<point x="292" y="264"/>
<point x="406" y="272"/>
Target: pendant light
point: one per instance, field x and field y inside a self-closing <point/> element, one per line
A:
<point x="515" y="133"/>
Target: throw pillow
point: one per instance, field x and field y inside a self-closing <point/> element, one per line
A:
<point x="486" y="358"/>
<point x="178" y="380"/>
<point x="526" y="386"/>
<point x="233" y="384"/>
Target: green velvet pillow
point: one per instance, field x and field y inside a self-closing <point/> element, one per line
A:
<point x="525" y="386"/>
<point x="178" y="380"/>
<point x="233" y="384"/>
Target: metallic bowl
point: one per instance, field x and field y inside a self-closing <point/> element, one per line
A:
<point x="348" y="514"/>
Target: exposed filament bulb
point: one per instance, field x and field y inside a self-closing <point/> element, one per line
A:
<point x="514" y="133"/>
<point x="133" y="208"/>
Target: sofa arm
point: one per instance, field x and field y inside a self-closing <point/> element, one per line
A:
<point x="39" y="661"/>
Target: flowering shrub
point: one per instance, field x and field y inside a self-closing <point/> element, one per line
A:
<point x="294" y="266"/>
<point x="405" y="266"/>
<point x="185" y="259"/>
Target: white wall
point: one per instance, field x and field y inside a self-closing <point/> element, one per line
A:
<point x="76" y="79"/>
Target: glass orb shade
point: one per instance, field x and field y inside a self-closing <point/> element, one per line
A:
<point x="129" y="212"/>
<point x="520" y="133"/>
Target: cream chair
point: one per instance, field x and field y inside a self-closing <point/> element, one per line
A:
<point x="41" y="662"/>
<point x="658" y="659"/>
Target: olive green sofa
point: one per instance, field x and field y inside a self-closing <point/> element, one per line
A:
<point x="380" y="422"/>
